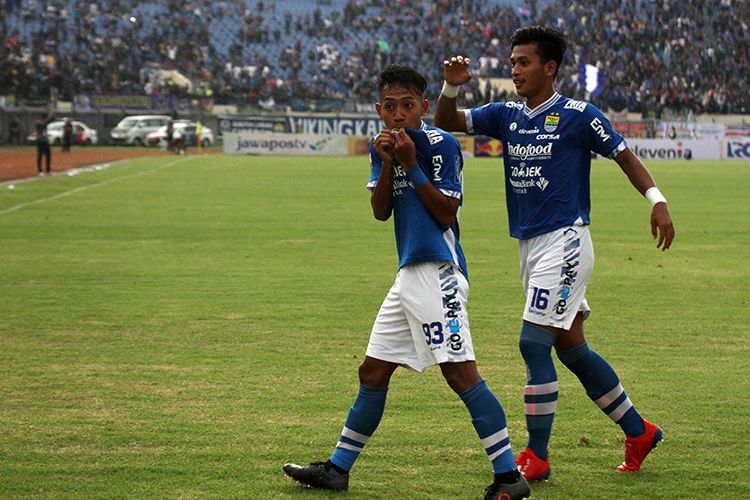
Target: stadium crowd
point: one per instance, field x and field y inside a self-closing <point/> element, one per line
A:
<point x="686" y="56"/>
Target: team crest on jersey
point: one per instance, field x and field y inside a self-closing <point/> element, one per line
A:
<point x="551" y="121"/>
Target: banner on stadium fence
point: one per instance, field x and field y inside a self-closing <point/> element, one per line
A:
<point x="265" y="124"/>
<point x="88" y="102"/>
<point x="35" y="102"/>
<point x="344" y="125"/>
<point x="737" y="130"/>
<point x="736" y="149"/>
<point x="487" y="147"/>
<point x="667" y="149"/>
<point x="260" y="143"/>
<point x="359" y="144"/>
<point x="631" y="129"/>
<point x="690" y="130"/>
<point x="467" y="144"/>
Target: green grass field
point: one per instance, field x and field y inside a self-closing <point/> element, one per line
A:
<point x="181" y="327"/>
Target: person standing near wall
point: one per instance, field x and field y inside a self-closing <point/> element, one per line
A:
<point x="42" y="142"/>
<point x="67" y="137"/>
<point x="14" y="132"/>
<point x="198" y="127"/>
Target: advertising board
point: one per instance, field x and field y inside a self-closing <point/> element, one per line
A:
<point x="259" y="143"/>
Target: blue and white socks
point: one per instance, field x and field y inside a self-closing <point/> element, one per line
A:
<point x="596" y="375"/>
<point x="540" y="393"/>
<point x="486" y="412"/>
<point x="364" y="417"/>
<point x="488" y="418"/>
<point x="603" y="387"/>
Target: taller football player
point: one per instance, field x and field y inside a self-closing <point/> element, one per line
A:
<point x="547" y="143"/>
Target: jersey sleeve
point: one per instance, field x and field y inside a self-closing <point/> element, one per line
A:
<point x="439" y="157"/>
<point x="600" y="136"/>
<point x="487" y="120"/>
<point x="447" y="166"/>
<point x="375" y="166"/>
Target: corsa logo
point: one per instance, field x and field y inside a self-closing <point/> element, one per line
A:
<point x="738" y="150"/>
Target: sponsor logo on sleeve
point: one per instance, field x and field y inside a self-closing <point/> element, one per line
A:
<point x="434" y="136"/>
<point x="437" y="166"/>
<point x="577" y="105"/>
<point x="598" y="127"/>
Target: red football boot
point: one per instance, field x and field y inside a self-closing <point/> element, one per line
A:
<point x="636" y="448"/>
<point x="532" y="467"/>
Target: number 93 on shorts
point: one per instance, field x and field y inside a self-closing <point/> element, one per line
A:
<point x="423" y="320"/>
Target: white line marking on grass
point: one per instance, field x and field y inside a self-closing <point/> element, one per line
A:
<point x="70" y="171"/>
<point x="102" y="183"/>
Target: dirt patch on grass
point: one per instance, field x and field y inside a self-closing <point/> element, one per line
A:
<point x="20" y="162"/>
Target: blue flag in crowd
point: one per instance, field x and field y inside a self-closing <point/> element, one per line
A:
<point x="591" y="79"/>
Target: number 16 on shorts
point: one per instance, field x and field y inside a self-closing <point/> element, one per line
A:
<point x="538" y="302"/>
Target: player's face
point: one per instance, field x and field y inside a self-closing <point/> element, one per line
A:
<point x="531" y="77"/>
<point x="400" y="107"/>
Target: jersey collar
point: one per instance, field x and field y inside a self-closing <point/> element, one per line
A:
<point x="531" y="113"/>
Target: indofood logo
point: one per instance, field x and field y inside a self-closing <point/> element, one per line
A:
<point x="530" y="150"/>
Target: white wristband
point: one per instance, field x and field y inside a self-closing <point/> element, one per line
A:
<point x="449" y="90"/>
<point x="654" y="196"/>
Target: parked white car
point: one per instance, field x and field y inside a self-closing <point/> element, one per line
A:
<point x="159" y="137"/>
<point x="133" y="130"/>
<point x="83" y="135"/>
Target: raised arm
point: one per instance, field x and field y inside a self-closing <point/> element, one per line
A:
<point x="641" y="179"/>
<point x="455" y="73"/>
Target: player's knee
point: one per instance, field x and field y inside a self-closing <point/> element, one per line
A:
<point x="571" y="357"/>
<point x="460" y="376"/>
<point x="535" y="342"/>
<point x="373" y="375"/>
<point x="531" y="350"/>
<point x="458" y="383"/>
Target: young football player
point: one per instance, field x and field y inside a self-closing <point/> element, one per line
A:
<point x="547" y="143"/>
<point x="423" y="321"/>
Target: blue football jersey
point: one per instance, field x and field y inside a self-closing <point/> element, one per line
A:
<point x="419" y="238"/>
<point x="547" y="159"/>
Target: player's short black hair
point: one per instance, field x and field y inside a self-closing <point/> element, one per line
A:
<point x="402" y="75"/>
<point x="550" y="44"/>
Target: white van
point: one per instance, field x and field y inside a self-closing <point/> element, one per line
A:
<point x="132" y="130"/>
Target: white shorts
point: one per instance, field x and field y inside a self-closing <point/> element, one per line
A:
<point x="423" y="320"/>
<point x="555" y="271"/>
